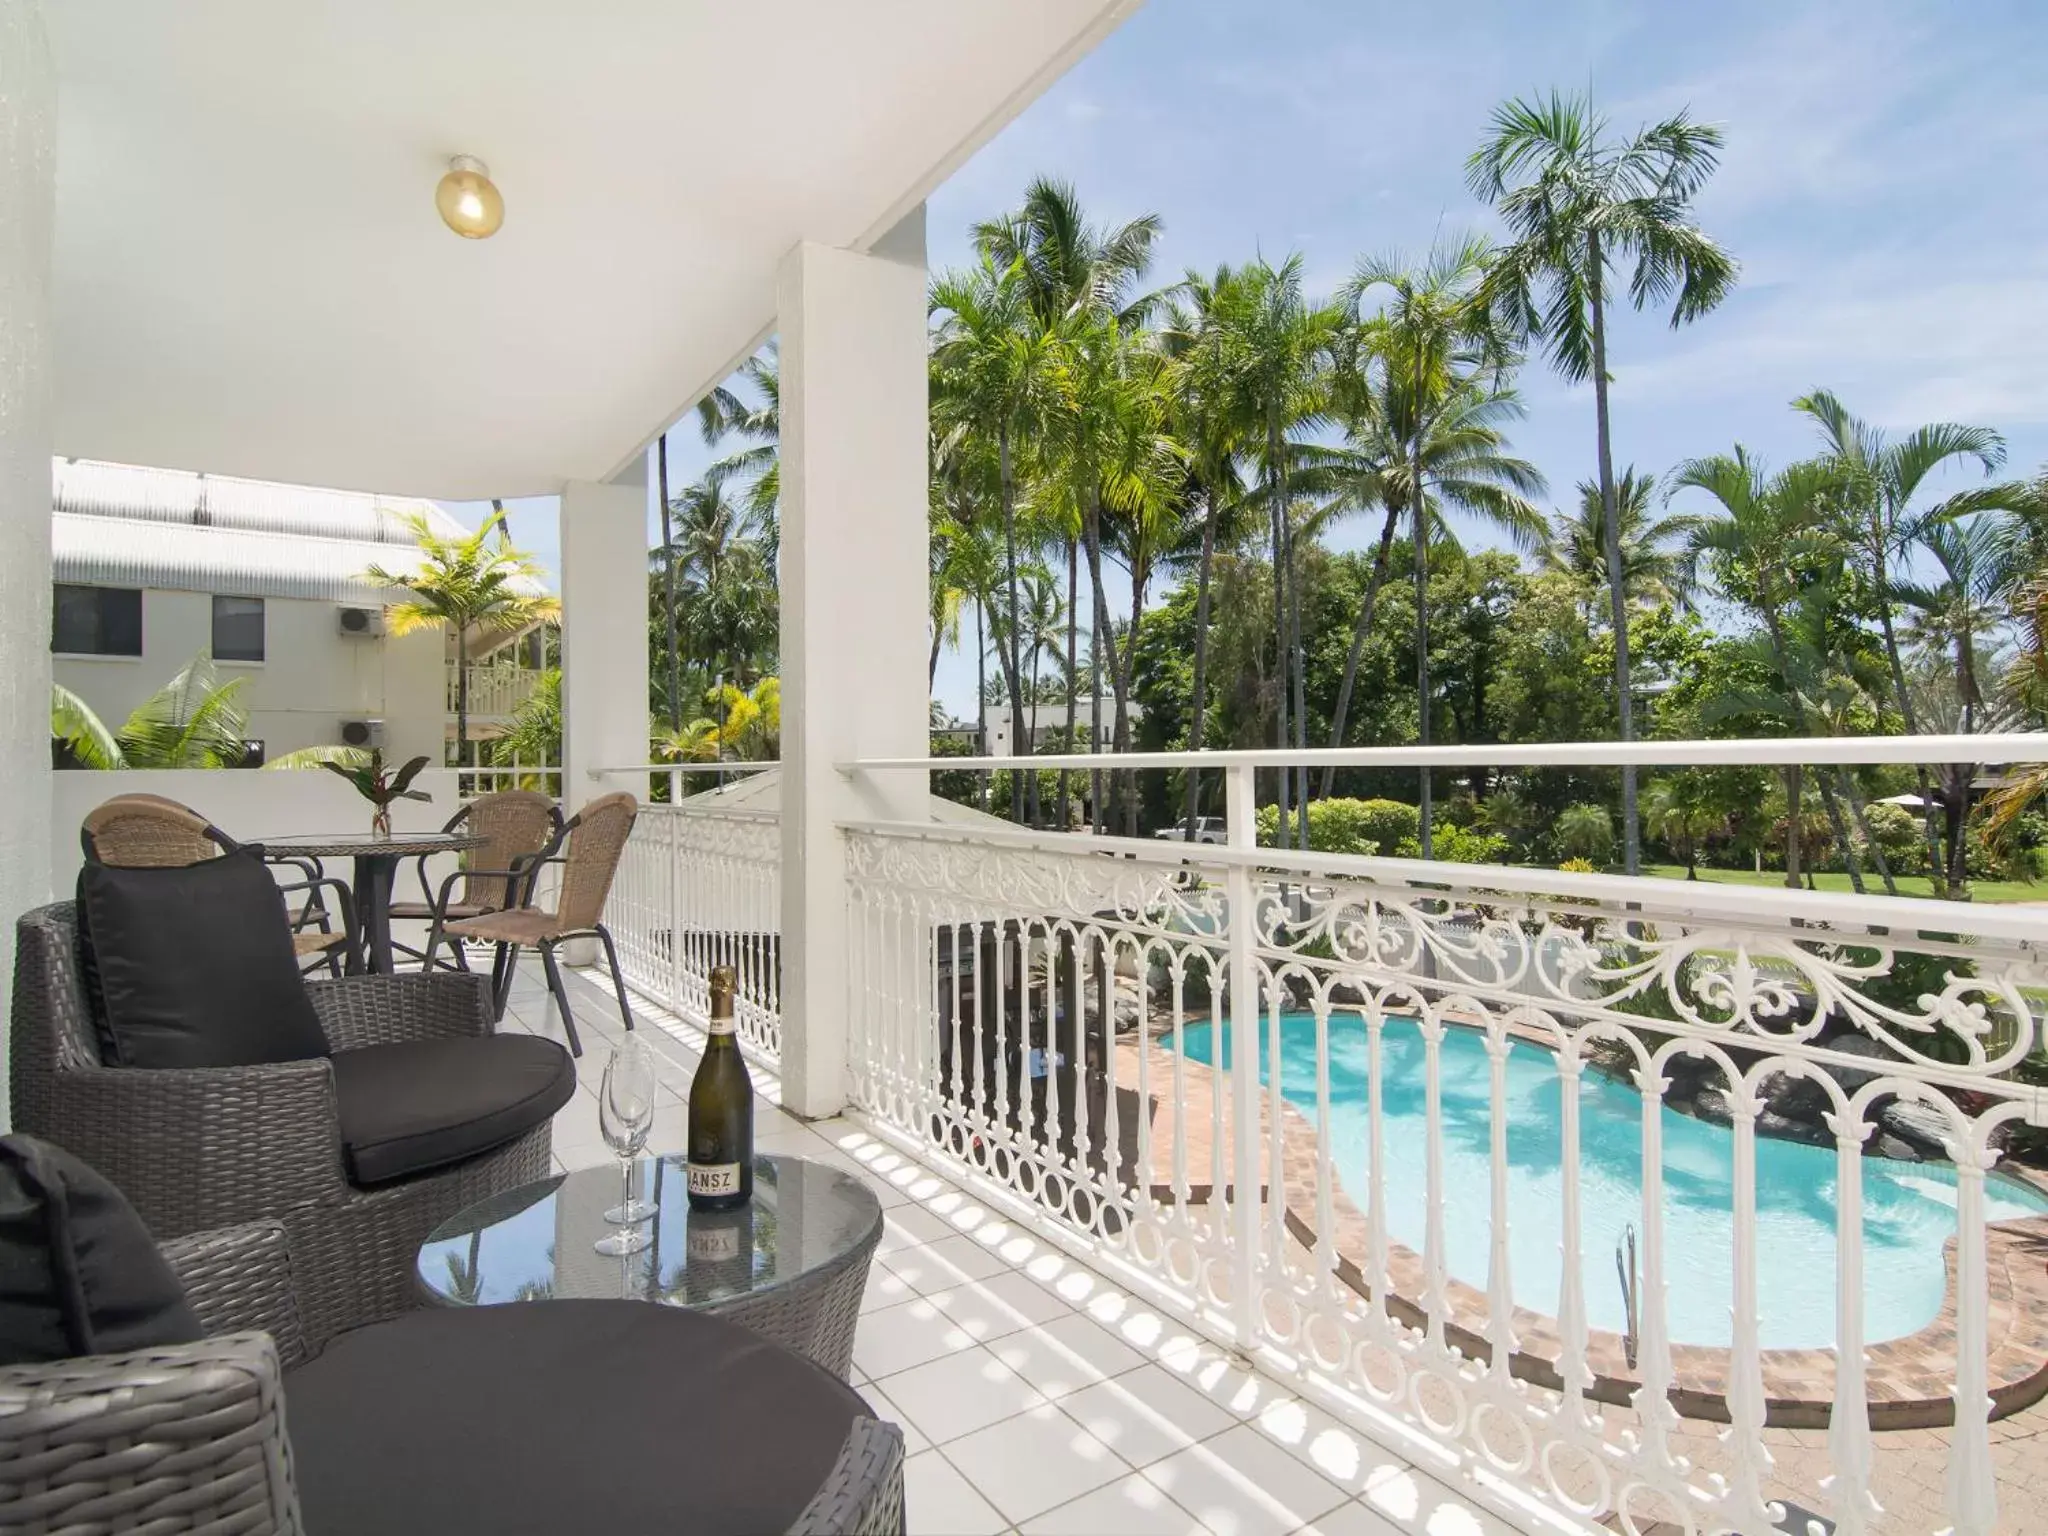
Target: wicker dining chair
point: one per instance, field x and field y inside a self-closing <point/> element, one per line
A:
<point x="517" y="826"/>
<point x="150" y="831"/>
<point x="595" y="839"/>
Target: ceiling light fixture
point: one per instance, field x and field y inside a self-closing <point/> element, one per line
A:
<point x="468" y="201"/>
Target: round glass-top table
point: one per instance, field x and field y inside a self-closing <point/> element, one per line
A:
<point x="790" y="1264"/>
<point x="376" y="866"/>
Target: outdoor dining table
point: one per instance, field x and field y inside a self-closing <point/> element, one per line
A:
<point x="376" y="860"/>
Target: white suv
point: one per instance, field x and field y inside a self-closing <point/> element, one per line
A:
<point x="1207" y="829"/>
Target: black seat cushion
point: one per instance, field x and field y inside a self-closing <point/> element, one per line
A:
<point x="422" y="1104"/>
<point x="557" y="1416"/>
<point x="193" y="966"/>
<point x="79" y="1273"/>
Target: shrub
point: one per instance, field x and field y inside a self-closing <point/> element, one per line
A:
<point x="1899" y="834"/>
<point x="1348" y="826"/>
<point x="1579" y="867"/>
<point x="1457" y="845"/>
<point x="1585" y="831"/>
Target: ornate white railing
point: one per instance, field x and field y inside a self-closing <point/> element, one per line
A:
<point x="1492" y="1087"/>
<point x="494" y="691"/>
<point x="486" y="778"/>
<point x="701" y="888"/>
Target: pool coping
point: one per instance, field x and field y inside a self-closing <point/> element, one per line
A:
<point x="1908" y="1381"/>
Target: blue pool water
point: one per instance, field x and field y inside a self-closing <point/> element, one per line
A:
<point x="1909" y="1209"/>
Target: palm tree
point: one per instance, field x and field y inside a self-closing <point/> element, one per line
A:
<point x="1443" y="367"/>
<point x="1110" y="454"/>
<point x="193" y="721"/>
<point x="756" y="418"/>
<point x="668" y="590"/>
<point x="474" y="584"/>
<point x="725" y="574"/>
<point x="1885" y="475"/>
<point x="1775" y="539"/>
<point x="1072" y="270"/>
<point x="988" y="365"/>
<point x="1655" y="563"/>
<point x="1278" y="345"/>
<point x="1205" y="401"/>
<point x="1576" y="204"/>
<point x="1683" y="808"/>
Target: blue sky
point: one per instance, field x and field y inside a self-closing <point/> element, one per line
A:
<point x="1884" y="186"/>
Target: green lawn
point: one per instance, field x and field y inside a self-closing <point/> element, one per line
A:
<point x="1830" y="880"/>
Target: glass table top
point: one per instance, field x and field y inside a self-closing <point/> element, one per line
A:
<point x="534" y="1242"/>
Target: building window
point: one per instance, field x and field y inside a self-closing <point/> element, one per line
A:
<point x="97" y="621"/>
<point x="238" y="629"/>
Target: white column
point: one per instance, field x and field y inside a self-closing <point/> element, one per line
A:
<point x="604" y="637"/>
<point x="854" y="551"/>
<point x="28" y="178"/>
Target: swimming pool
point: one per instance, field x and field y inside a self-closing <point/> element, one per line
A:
<point x="1909" y="1209"/>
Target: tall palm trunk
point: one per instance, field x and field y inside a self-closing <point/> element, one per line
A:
<point x="1935" y="871"/>
<point x="1073" y="672"/>
<point x="1359" y="632"/>
<point x="1297" y="665"/>
<point x="1610" y="537"/>
<point x="668" y="591"/>
<point x="1095" y="806"/>
<point x="1141" y="575"/>
<point x="981" y="692"/>
<point x="1118" y="684"/>
<point x="1795" y="793"/>
<point x="1280" y="653"/>
<point x="1008" y="638"/>
<point x="1200" y="702"/>
<point x="1827" y="790"/>
<point x="1847" y="786"/>
<point x="1419" y="522"/>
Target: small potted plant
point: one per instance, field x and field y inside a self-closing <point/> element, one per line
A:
<point x="380" y="785"/>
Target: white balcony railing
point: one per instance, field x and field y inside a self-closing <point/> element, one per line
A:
<point x="1601" y="1186"/>
<point x="697" y="889"/>
<point x="494" y="691"/>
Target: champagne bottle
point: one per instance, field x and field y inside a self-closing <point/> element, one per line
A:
<point x="721" y="1164"/>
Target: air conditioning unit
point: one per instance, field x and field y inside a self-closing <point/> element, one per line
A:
<point x="362" y="733"/>
<point x="362" y="623"/>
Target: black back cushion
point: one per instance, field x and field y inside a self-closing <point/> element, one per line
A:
<point x="79" y="1274"/>
<point x="193" y="966"/>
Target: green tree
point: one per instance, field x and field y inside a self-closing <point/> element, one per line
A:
<point x="1578" y="204"/>
<point x="1279" y="344"/>
<point x="193" y="721"/>
<point x="1884" y="476"/>
<point x="1442" y="365"/>
<point x="475" y="585"/>
<point x="752" y="413"/>
<point x="1682" y="809"/>
<point x="1585" y="831"/>
<point x="1656" y="566"/>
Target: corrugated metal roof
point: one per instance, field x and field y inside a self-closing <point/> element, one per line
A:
<point x="89" y="488"/>
<point x="126" y="526"/>
<point x="115" y="552"/>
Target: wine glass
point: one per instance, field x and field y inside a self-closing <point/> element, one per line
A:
<point x="625" y="1114"/>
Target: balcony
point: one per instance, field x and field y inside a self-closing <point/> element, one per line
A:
<point x="1588" y="1197"/>
<point x="495" y="691"/>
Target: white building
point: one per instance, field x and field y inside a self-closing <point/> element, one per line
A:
<point x="151" y="567"/>
<point x="1045" y="722"/>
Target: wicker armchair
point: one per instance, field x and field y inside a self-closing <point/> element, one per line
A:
<point x="196" y="1149"/>
<point x="596" y="839"/>
<point x="150" y="831"/>
<point x="192" y="1437"/>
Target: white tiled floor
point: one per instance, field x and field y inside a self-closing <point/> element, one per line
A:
<point x="1035" y="1395"/>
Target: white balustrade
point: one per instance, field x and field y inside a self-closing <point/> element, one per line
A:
<point x="1595" y="1182"/>
<point x="1486" y="1077"/>
<point x="696" y="889"/>
<point x="494" y="691"/>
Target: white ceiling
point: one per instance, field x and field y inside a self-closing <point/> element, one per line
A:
<point x="252" y="280"/>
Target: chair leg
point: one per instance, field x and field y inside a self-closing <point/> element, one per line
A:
<point x="434" y="943"/>
<point x="611" y="955"/>
<point x="547" y="959"/>
<point x="503" y="968"/>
